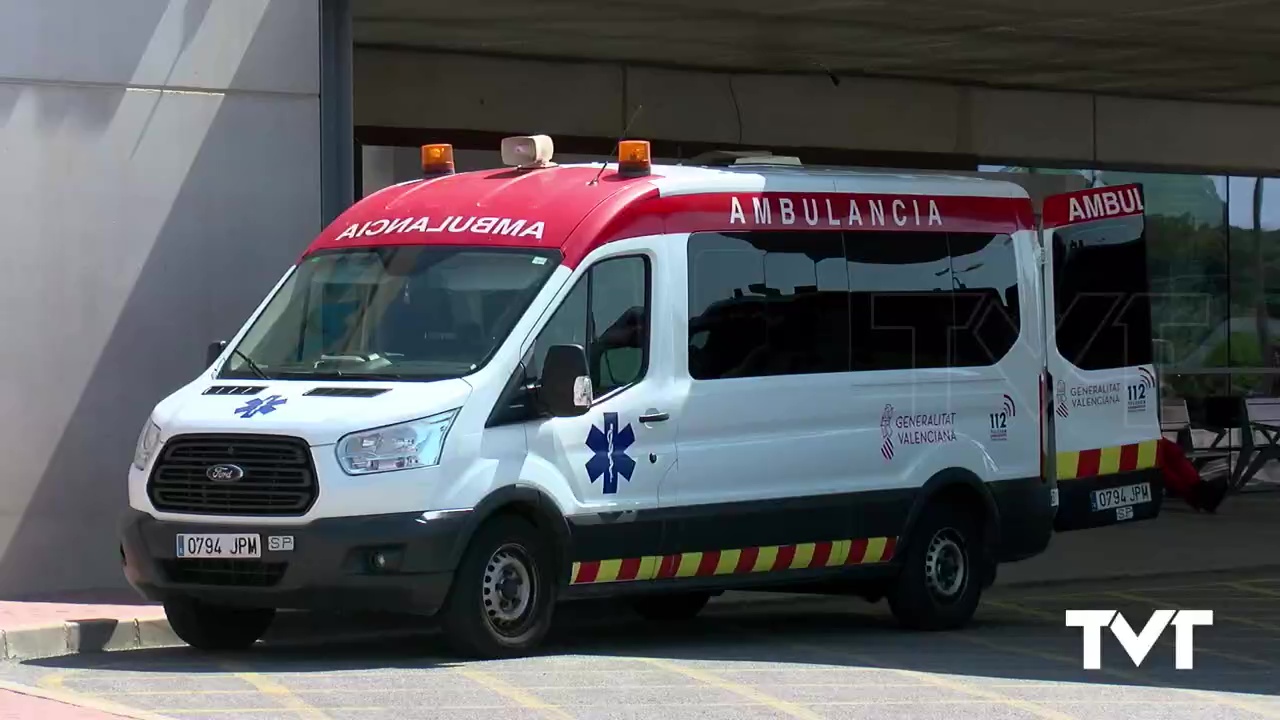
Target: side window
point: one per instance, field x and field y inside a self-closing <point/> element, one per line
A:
<point x="1101" y="296"/>
<point x="767" y="303"/>
<point x="901" y="299"/>
<point x="794" y="303"/>
<point x="988" y="317"/>
<point x="568" y="326"/>
<point x="617" y="353"/>
<point x="607" y="313"/>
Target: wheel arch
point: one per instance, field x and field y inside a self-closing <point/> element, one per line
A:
<point x="528" y="502"/>
<point x="955" y="485"/>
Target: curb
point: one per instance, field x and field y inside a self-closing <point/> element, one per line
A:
<point x="85" y="636"/>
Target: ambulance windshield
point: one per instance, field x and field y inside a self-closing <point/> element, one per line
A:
<point x="411" y="313"/>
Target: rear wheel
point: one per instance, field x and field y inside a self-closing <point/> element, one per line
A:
<point x="670" y="608"/>
<point x="503" y="594"/>
<point x="215" y="627"/>
<point x="943" y="571"/>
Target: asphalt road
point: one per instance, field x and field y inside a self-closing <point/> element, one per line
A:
<point x="768" y="657"/>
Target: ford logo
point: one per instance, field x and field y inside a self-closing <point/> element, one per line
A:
<point x="225" y="473"/>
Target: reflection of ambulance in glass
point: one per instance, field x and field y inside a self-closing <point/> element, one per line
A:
<point x="479" y="394"/>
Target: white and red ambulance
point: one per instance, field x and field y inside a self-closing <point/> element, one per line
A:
<point x="478" y="394"/>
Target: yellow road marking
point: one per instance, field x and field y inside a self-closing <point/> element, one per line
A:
<point x="709" y="678"/>
<point x="1123" y="675"/>
<point x="284" y="695"/>
<point x="985" y="694"/>
<point x="517" y="695"/>
<point x="1257" y="590"/>
<point x="53" y="681"/>
<point x="1167" y="643"/>
<point x="1157" y="588"/>
<point x="51" y="688"/>
<point x="1134" y="597"/>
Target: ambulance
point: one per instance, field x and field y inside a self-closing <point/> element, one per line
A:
<point x="479" y="395"/>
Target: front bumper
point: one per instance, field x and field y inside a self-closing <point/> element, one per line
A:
<point x="330" y="566"/>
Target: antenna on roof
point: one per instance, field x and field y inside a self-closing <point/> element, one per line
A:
<point x="618" y="144"/>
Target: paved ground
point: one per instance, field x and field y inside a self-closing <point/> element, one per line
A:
<point x="785" y="658"/>
<point x="16" y="706"/>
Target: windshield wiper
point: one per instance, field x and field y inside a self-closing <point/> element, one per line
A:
<point x="248" y="361"/>
<point x="338" y="375"/>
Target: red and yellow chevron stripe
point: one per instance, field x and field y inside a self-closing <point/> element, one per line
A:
<point x="736" y="562"/>
<point x="1078" y="464"/>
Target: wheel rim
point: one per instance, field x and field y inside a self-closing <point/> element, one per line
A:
<point x="509" y="590"/>
<point x="946" y="568"/>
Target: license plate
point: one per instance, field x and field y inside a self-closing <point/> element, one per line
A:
<point x="218" y="546"/>
<point x="1053" y="497"/>
<point x="1121" y="496"/>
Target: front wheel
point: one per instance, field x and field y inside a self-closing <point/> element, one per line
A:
<point x="503" y="594"/>
<point x="942" y="572"/>
<point x="215" y="627"/>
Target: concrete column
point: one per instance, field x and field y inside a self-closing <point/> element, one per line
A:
<point x="159" y="170"/>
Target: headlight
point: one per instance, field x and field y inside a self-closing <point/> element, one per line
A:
<point x="412" y="444"/>
<point x="148" y="441"/>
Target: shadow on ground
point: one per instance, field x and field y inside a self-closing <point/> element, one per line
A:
<point x="1017" y="635"/>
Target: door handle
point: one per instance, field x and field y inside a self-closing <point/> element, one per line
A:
<point x="653" y="416"/>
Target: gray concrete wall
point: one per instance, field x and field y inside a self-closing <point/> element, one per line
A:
<point x="411" y="89"/>
<point x="159" y="169"/>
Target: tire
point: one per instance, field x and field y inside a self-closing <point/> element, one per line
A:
<point x="943" y="571"/>
<point x="504" y="592"/>
<point x="215" y="627"/>
<point x="670" y="608"/>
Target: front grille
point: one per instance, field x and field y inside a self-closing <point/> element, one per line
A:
<point x="217" y="571"/>
<point x="278" y="478"/>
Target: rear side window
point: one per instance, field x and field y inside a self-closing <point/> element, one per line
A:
<point x="791" y="303"/>
<point x="1101" y="297"/>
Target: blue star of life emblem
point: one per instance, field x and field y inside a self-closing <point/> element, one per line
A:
<point x="611" y="458"/>
<point x="260" y="406"/>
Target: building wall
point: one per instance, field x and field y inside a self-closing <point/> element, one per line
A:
<point x="159" y="170"/>
<point x="397" y="88"/>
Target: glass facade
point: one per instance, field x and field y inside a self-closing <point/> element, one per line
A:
<point x="1214" y="264"/>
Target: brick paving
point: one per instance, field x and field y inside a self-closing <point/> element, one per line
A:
<point x="16" y="615"/>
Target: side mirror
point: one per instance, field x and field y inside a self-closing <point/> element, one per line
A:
<point x="214" y="350"/>
<point x="565" y="390"/>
